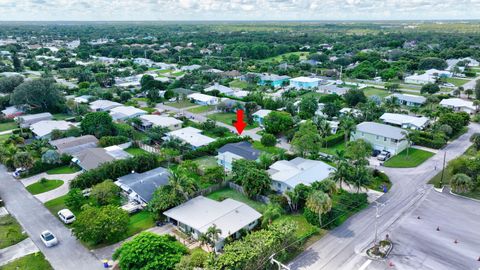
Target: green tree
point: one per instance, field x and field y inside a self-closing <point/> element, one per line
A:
<point x="149" y="251"/>
<point x="306" y="140"/>
<point x="98" y="124"/>
<point x="268" y="139"/>
<point x="461" y="183"/>
<point x="477" y="89"/>
<point x="272" y="212"/>
<point x="392" y="87"/>
<point x="430" y="88"/>
<point x="354" y="97"/>
<point x="319" y="202"/>
<point x="51" y="157"/>
<point x="181" y="183"/>
<point x="255" y="182"/>
<point x="211" y="236"/>
<point x="75" y="199"/>
<point x="105" y="193"/>
<point x="277" y="122"/>
<point x="348" y="125"/>
<point x="8" y="84"/>
<point x="308" y="107"/>
<point x="101" y="225"/>
<point x="41" y="94"/>
<point x="23" y="160"/>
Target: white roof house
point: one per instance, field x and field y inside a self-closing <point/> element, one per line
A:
<point x="304" y="82"/>
<point x="201" y="213"/>
<point x="439" y="73"/>
<point x="203" y="99"/>
<point x="190" y="135"/>
<point x="286" y="175"/>
<point x="44" y="128"/>
<point x="222" y="89"/>
<point x="408" y="100"/>
<point x="12" y="111"/>
<point x="458" y="104"/>
<point x="161" y="121"/>
<point x="26" y="120"/>
<point x="261" y="113"/>
<point x="82" y="99"/>
<point x="420" y="79"/>
<point x="103" y="105"/>
<point x="405" y="121"/>
<point x="126" y="112"/>
<point x="352" y="111"/>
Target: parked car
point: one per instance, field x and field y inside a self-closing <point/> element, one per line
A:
<point x="375" y="152"/>
<point x="132" y="207"/>
<point x="384" y="155"/>
<point x="66" y="216"/>
<point x="17" y="172"/>
<point x="48" y="238"/>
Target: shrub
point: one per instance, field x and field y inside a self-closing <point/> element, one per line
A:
<point x="432" y="140"/>
<point x="268" y="139"/>
<point x="211" y="148"/>
<point x="334" y="139"/>
<point x="112" y="140"/>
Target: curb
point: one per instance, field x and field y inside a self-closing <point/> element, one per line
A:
<point x="464" y="197"/>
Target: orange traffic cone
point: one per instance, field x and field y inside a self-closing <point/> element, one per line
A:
<point x="438" y="228"/>
<point x="456" y="242"/>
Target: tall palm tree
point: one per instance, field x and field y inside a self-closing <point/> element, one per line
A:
<point x="181" y="183"/>
<point x="342" y="173"/>
<point x="265" y="160"/>
<point x="319" y="202"/>
<point x="213" y="234"/>
<point x="347" y="124"/>
<point x="408" y="138"/>
<point x="324" y="128"/>
<point x="272" y="212"/>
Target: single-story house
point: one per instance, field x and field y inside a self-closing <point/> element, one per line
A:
<point x="286" y="175"/>
<point x="354" y="112"/>
<point x="304" y="82"/>
<point x="200" y="213"/>
<point x="26" y="120"/>
<point x="91" y="158"/>
<point x="459" y="105"/>
<point x="190" y="68"/>
<point x="221" y="88"/>
<point x="405" y="121"/>
<point x="203" y="99"/>
<point x="73" y="145"/>
<point x="273" y="80"/>
<point x="153" y="120"/>
<point x="332" y="89"/>
<point x="82" y="99"/>
<point x="439" y="73"/>
<point x="259" y="115"/>
<point x="103" y="105"/>
<point x="381" y="136"/>
<point x="420" y="79"/>
<point x="333" y="126"/>
<point x="228" y="153"/>
<point x="408" y="100"/>
<point x="43" y="129"/>
<point x="122" y="113"/>
<point x="190" y="135"/>
<point x="11" y="112"/>
<point x="141" y="186"/>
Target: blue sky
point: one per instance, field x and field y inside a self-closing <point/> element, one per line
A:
<point x="31" y="10"/>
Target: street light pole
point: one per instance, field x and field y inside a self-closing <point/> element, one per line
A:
<point x="377" y="204"/>
<point x="443" y="168"/>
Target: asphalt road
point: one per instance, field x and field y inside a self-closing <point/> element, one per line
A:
<point x="343" y="247"/>
<point x="35" y="218"/>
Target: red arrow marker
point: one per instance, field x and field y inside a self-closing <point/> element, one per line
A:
<point x="239" y="124"/>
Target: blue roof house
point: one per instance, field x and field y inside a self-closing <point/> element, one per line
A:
<point x="273" y="80"/>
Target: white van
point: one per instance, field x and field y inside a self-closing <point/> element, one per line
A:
<point x="66" y="216"/>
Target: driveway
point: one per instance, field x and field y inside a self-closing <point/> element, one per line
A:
<point x="35" y="218"/>
<point x="344" y="246"/>
<point x="52" y="194"/>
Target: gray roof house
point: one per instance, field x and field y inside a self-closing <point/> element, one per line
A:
<point x="140" y="186"/>
<point x="200" y="213"/>
<point x="228" y="153"/>
<point x="26" y="120"/>
<point x="73" y="145"/>
<point x="408" y="100"/>
<point x="91" y="158"/>
<point x="381" y="136"/>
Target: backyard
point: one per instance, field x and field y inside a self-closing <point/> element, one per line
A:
<point x="225" y="193"/>
<point x="228" y="118"/>
<point x="44" y="186"/>
<point x="10" y="232"/>
<point x="239" y="84"/>
<point x="206" y="162"/>
<point x="372" y="91"/>
<point x="201" y="109"/>
<point x="135" y="151"/>
<point x="8" y="126"/>
<point x="35" y="261"/>
<point x="414" y="158"/>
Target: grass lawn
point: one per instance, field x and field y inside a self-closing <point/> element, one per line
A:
<point x="135" y="151"/>
<point x="181" y="104"/>
<point x="39" y="187"/>
<point x="201" y="109"/>
<point x="332" y="150"/>
<point x="415" y="157"/>
<point x="457" y="81"/>
<point x="239" y="84"/>
<point x="227" y="118"/>
<point x="64" y="170"/>
<point x="57" y="204"/>
<point x="283" y="57"/>
<point x="178" y="73"/>
<point x="10" y="232"/>
<point x="225" y="193"/>
<point x="372" y="91"/>
<point x="269" y="149"/>
<point x="139" y="222"/>
<point x="4" y="137"/>
<point x="35" y="261"/>
<point x="163" y="71"/>
<point x="61" y="116"/>
<point x="303" y="227"/>
<point x="8" y="126"/>
<point x="206" y="162"/>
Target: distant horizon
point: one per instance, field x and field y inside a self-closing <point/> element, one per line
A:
<point x="257" y="20"/>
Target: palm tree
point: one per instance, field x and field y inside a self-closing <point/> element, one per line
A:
<point x="319" y="202"/>
<point x="272" y="212"/>
<point x="324" y="128"/>
<point x="408" y="138"/>
<point x="181" y="183"/>
<point x="476" y="103"/>
<point x="265" y="160"/>
<point x="213" y="234"/>
<point x="461" y="183"/>
<point x="348" y="126"/>
<point x="342" y="173"/>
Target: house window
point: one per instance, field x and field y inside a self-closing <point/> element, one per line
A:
<point x="384" y="139"/>
<point x="377" y="137"/>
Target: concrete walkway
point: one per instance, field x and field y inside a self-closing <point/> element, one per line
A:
<point x="425" y="148"/>
<point x="52" y="194"/>
<point x="17" y="251"/>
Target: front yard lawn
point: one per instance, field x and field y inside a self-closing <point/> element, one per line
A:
<point x="35" y="261"/>
<point x="57" y="204"/>
<point x="8" y="126"/>
<point x="135" y="151"/>
<point x="457" y="81"/>
<point x="269" y="149"/>
<point x="225" y="193"/>
<point x="238" y="84"/>
<point x="139" y="222"/>
<point x="304" y="228"/>
<point x="415" y="157"/>
<point x="64" y="170"/>
<point x="41" y="187"/>
<point x="181" y="104"/>
<point x="227" y="118"/>
<point x="201" y="109"/>
<point x="372" y="91"/>
<point x="10" y="232"/>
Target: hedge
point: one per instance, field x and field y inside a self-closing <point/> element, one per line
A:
<point x="211" y="148"/>
<point x="427" y="139"/>
<point x="107" y="141"/>
<point x="334" y="139"/>
<point x="40" y="167"/>
<point x="113" y="170"/>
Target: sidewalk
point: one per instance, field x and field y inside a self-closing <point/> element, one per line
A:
<point x="16" y="251"/>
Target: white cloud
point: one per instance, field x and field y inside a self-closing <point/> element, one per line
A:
<point x="237" y="9"/>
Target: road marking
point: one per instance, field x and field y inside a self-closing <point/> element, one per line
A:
<point x="365" y="265"/>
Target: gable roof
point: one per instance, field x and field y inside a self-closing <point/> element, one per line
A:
<point x="458" y="103"/>
<point x="262" y="113"/>
<point x="402" y="119"/>
<point x="144" y="184"/>
<point x="91" y="158"/>
<point x="45" y="127"/>
<point x="221" y="88"/>
<point x="409" y="98"/>
<point x="382" y="130"/>
<point x="72" y="145"/>
<point x="103" y="104"/>
<point x="159" y="120"/>
<point x="190" y="135"/>
<point x="243" y="149"/>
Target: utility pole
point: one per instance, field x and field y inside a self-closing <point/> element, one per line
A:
<point x="443" y="167"/>
<point x="376" y="221"/>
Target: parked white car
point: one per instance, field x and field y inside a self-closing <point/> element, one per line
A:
<point x="132" y="207"/>
<point x="48" y="238"/>
<point x="17" y="172"/>
<point x="66" y="216"/>
<point x="384" y="155"/>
